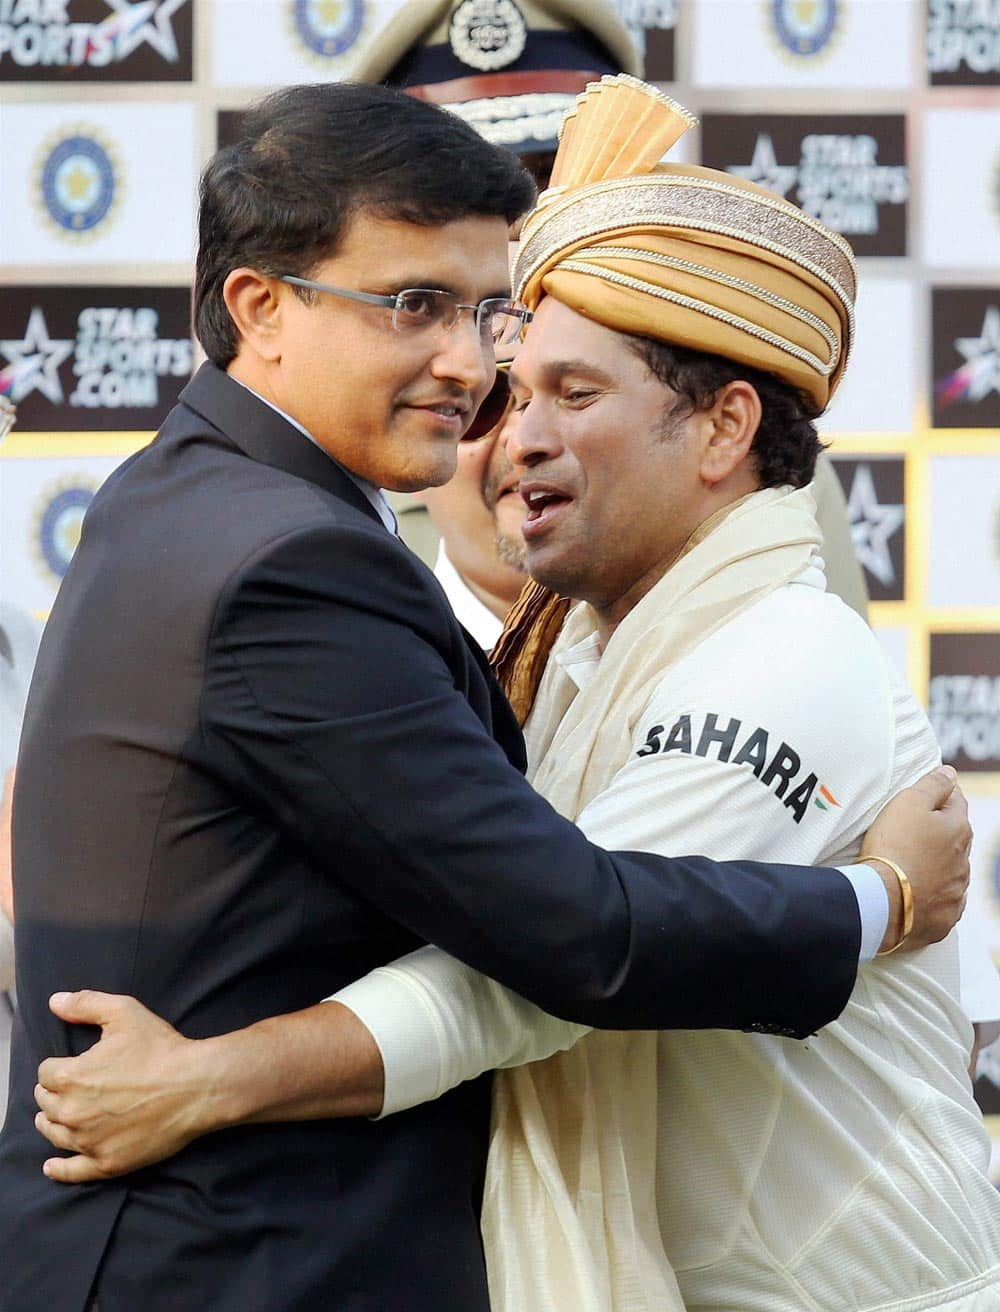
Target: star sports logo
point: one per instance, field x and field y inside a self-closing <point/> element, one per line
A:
<point x="765" y="170"/>
<point x="122" y="357"/>
<point x="980" y="375"/>
<point x="837" y="178"/>
<point x="873" y="524"/>
<point x="42" y="32"/>
<point x="33" y="362"/>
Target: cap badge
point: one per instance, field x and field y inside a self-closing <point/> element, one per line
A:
<point x="487" y="34"/>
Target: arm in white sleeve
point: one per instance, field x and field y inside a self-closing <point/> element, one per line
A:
<point x="438" y="1022"/>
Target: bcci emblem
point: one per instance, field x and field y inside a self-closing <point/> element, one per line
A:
<point x="78" y="182"/>
<point x="328" y="28"/>
<point x="804" y="27"/>
<point x="58" y="526"/>
<point x="487" y="34"/>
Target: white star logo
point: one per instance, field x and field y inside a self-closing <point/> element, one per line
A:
<point x="983" y="356"/>
<point x="136" y="21"/>
<point x="872" y="525"/>
<point x="34" y="361"/>
<point x="764" y="168"/>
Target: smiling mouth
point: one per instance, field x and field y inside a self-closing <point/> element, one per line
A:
<point x="445" y="410"/>
<point x="542" y="506"/>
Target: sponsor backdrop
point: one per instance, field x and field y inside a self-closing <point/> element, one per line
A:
<point x="881" y="117"/>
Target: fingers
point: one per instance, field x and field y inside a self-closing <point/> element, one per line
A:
<point x="54" y="1073"/>
<point x="957" y="809"/>
<point x="59" y="1136"/>
<point x="48" y="1101"/>
<point x="82" y="1167"/>
<point x="73" y="1170"/>
<point x="87" y="1006"/>
<point x="937" y="786"/>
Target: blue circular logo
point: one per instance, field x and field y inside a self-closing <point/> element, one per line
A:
<point x="60" y="527"/>
<point x="78" y="183"/>
<point x="804" y="26"/>
<point x="329" y="27"/>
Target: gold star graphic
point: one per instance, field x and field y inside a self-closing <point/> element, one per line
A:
<point x="78" y="182"/>
<point x="329" y="11"/>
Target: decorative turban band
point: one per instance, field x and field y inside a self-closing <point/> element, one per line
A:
<point x="685" y="254"/>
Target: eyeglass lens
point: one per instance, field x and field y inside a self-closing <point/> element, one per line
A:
<point x="498" y="320"/>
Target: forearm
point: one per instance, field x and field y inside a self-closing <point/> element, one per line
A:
<point x="438" y="1022"/>
<point x="311" y="1064"/>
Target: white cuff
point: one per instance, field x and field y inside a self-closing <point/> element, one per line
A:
<point x="393" y="1008"/>
<point x="873" y="907"/>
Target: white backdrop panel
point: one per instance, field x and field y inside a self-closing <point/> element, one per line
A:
<point x="152" y="202"/>
<point x="853" y="43"/>
<point x="269" y="43"/>
<point x="964" y="522"/>
<point x="879" y="388"/>
<point x="961" y="188"/>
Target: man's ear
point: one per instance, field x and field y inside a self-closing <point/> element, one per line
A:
<point x="254" y="302"/>
<point x="734" y="418"/>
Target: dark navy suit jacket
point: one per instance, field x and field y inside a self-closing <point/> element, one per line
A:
<point x="260" y="758"/>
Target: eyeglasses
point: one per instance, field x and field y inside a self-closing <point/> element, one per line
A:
<point x="497" y="320"/>
<point x="494" y="407"/>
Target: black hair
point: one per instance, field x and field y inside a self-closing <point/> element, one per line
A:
<point x="786" y="443"/>
<point x="308" y="158"/>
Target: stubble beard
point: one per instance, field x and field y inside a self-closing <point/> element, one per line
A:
<point x="512" y="551"/>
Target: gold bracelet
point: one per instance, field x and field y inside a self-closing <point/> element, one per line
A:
<point x="906" y="890"/>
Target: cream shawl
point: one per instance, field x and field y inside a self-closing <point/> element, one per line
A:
<point x="569" y="1214"/>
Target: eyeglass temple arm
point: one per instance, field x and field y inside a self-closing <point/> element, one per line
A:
<point x="370" y="298"/>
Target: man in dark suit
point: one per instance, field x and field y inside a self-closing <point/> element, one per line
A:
<point x="261" y="757"/>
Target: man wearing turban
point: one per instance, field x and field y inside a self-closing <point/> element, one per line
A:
<point x="689" y="327"/>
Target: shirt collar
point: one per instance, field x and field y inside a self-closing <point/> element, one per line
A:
<point x="373" y="494"/>
<point x="581" y="660"/>
<point x="478" y="619"/>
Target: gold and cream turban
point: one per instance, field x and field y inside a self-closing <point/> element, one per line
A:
<point x="685" y="254"/>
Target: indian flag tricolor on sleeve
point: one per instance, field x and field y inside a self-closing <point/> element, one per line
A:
<point x="825" y="800"/>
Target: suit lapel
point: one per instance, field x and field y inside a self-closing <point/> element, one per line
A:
<point x="263" y="435"/>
